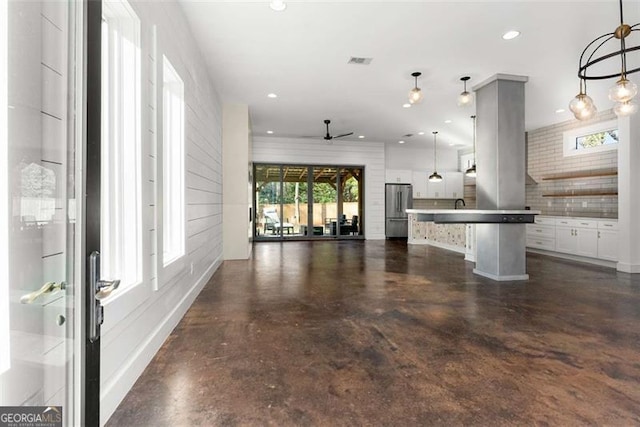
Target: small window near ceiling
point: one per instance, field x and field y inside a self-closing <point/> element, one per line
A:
<point x="173" y="187"/>
<point x="591" y="139"/>
<point x="121" y="222"/>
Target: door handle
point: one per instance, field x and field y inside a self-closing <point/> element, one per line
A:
<point x="98" y="290"/>
<point x="47" y="288"/>
<point x="400" y="204"/>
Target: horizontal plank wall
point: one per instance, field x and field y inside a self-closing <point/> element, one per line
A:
<point x="139" y="320"/>
<point x="317" y="152"/>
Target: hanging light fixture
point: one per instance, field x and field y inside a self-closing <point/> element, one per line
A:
<point x="465" y="98"/>
<point x="435" y="176"/>
<point x="415" y="94"/>
<point x="471" y="172"/>
<point x="624" y="90"/>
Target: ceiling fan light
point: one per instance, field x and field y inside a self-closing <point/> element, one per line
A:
<point x="471" y="172"/>
<point x="625" y="108"/>
<point x="465" y="98"/>
<point x="415" y="95"/>
<point x="435" y="177"/>
<point x="623" y="91"/>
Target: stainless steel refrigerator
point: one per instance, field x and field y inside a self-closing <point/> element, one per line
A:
<point x="398" y="198"/>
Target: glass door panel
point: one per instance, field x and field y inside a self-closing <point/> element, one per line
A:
<point x="268" y="183"/>
<point x="295" y="207"/>
<point x="325" y="200"/>
<point x="351" y="186"/>
<point x="37" y="204"/>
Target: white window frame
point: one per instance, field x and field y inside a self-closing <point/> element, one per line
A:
<point x="121" y="220"/>
<point x="172" y="237"/>
<point x="569" y="138"/>
<point x="5" y="351"/>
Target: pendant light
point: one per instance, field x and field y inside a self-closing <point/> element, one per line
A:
<point x="471" y="172"/>
<point x="624" y="90"/>
<point x="465" y="98"/>
<point x="415" y="94"/>
<point x="435" y="176"/>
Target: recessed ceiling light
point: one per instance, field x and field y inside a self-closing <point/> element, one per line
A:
<point x="560" y="110"/>
<point x="406" y="105"/>
<point x="278" y="5"/>
<point x="361" y="136"/>
<point x="509" y="35"/>
<point x="400" y="142"/>
<point x="272" y="95"/>
<point x="451" y="144"/>
<point x="447" y="121"/>
<point x="420" y="133"/>
<point x="269" y="132"/>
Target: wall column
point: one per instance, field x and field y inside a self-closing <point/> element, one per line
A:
<point x="500" y="181"/>
<point x="629" y="194"/>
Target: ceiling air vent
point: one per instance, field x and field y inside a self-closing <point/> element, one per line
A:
<point x="409" y="135"/>
<point x="360" y="61"/>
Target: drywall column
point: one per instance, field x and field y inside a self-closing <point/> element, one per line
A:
<point x="500" y="181"/>
<point x="236" y="185"/>
<point x="629" y="194"/>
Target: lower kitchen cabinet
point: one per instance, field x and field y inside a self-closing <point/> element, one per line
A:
<point x="585" y="237"/>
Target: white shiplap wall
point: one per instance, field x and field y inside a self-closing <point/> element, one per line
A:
<point x="139" y="319"/>
<point x="317" y="152"/>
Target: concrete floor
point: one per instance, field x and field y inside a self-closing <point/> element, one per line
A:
<point x="378" y="333"/>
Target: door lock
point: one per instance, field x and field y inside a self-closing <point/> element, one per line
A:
<point x="98" y="290"/>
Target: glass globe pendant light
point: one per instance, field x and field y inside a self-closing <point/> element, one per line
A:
<point x="626" y="108"/>
<point x="582" y="105"/>
<point x="471" y="172"/>
<point x="623" y="91"/>
<point x="415" y="94"/>
<point x="465" y="98"/>
<point x="435" y="176"/>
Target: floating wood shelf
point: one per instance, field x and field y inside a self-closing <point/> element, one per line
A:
<point x="582" y="194"/>
<point x="581" y="174"/>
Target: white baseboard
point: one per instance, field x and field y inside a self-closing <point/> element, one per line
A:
<point x="501" y="278"/>
<point x="117" y="388"/>
<point x="595" y="261"/>
<point x="628" y="268"/>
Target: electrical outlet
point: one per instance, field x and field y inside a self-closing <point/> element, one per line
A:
<point x="584" y="204"/>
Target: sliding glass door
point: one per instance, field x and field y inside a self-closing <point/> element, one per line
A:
<point x="308" y="201"/>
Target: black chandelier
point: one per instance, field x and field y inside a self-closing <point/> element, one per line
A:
<point x="624" y="91"/>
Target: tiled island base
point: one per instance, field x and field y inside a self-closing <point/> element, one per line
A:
<point x="446" y="236"/>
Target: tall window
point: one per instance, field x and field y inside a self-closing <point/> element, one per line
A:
<point x="121" y="144"/>
<point x="4" y="193"/>
<point x="173" y="187"/>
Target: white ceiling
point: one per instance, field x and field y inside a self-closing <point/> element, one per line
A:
<point x="301" y="55"/>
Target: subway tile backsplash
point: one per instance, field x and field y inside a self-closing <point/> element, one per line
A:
<point x="545" y="158"/>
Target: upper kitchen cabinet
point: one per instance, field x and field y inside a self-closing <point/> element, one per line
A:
<point x="453" y="185"/>
<point x="419" y="181"/>
<point x="435" y="190"/>
<point x="398" y="176"/>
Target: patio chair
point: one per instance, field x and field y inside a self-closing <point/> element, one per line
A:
<point x="272" y="222"/>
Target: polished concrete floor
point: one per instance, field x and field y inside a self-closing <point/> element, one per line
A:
<point x="378" y="333"/>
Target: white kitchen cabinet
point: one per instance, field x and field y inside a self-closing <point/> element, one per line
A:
<point x="453" y="185"/>
<point x="608" y="240"/>
<point x="435" y="190"/>
<point x="398" y="176"/>
<point x="587" y="242"/>
<point x="419" y="181"/>
<point x="565" y="240"/>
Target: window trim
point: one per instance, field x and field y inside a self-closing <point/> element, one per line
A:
<point x="168" y="271"/>
<point x="121" y="18"/>
<point x="569" y="138"/>
<point x="5" y="353"/>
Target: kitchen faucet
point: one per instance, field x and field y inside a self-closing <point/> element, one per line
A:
<point x="455" y="204"/>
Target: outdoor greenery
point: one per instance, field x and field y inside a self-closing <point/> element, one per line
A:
<point x="322" y="192"/>
<point x="596" y="139"/>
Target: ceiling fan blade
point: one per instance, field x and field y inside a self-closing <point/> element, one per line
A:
<point x="343" y="135"/>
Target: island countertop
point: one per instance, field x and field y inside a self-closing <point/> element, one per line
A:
<point x="475" y="216"/>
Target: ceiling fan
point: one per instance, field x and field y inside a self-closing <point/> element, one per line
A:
<point x="328" y="136"/>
